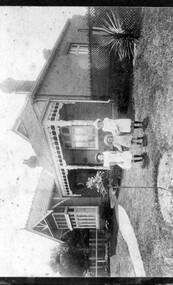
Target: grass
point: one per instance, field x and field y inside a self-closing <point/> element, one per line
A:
<point x="152" y="96"/>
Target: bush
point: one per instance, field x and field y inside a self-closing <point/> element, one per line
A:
<point x="116" y="37"/>
<point x="100" y="182"/>
<point x="68" y="261"/>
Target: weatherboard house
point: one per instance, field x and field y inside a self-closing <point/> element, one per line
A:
<point x="57" y="120"/>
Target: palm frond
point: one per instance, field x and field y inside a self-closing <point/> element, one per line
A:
<point x="113" y="25"/>
<point x="116" y="38"/>
<point x="116" y="22"/>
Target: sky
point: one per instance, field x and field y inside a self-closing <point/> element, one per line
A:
<point x="25" y="32"/>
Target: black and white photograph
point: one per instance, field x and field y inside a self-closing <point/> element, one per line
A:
<point x="86" y="148"/>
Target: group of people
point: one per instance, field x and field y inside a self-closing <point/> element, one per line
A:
<point x="120" y="136"/>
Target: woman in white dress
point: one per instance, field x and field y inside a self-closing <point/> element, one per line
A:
<point x="117" y="126"/>
<point x="122" y="140"/>
<point x="123" y="159"/>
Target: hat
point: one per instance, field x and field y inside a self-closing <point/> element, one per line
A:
<point x="106" y="138"/>
<point x="96" y="123"/>
<point x="96" y="157"/>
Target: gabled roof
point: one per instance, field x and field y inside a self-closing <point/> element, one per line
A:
<point x="22" y="130"/>
<point x="35" y="135"/>
<point x="41" y="207"/>
<point x="43" y="72"/>
<point x="41" y="201"/>
<point x="48" y="63"/>
<point x="28" y="124"/>
<point x="19" y="126"/>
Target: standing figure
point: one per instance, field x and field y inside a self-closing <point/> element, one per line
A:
<point x="122" y="140"/>
<point x="123" y="159"/>
<point x="117" y="126"/>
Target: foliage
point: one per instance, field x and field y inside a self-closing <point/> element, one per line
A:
<point x="68" y="261"/>
<point x="77" y="238"/>
<point x="116" y="37"/>
<point x="98" y="183"/>
<point x="105" y="211"/>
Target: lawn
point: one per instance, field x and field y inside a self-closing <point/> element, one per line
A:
<point x="152" y="97"/>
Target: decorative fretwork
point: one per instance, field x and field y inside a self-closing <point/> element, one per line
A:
<point x="53" y="132"/>
<point x="54" y="112"/>
<point x="58" y="156"/>
<point x="52" y="129"/>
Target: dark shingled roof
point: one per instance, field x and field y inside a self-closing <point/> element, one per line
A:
<point x="49" y="61"/>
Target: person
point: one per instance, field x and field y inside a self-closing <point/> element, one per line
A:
<point x="122" y="140"/>
<point x="123" y="159"/>
<point x="117" y="126"/>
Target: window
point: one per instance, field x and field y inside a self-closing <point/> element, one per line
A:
<point x="76" y="217"/>
<point x="78" y="49"/>
<point x="83" y="217"/>
<point x="79" y="137"/>
<point x="61" y="218"/>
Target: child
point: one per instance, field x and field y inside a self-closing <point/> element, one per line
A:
<point x="119" y="125"/>
<point x="122" y="140"/>
<point x="123" y="159"/>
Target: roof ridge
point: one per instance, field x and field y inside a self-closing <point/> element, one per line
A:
<point x="34" y="195"/>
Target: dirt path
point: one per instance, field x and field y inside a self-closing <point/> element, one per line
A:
<point x="128" y="234"/>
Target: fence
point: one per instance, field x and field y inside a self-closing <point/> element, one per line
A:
<point x="98" y="253"/>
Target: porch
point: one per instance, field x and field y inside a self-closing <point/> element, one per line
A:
<point x="73" y="143"/>
<point x="73" y="217"/>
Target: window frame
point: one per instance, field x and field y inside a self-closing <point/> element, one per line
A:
<point x="71" y="140"/>
<point x="66" y="223"/>
<point x="78" y="51"/>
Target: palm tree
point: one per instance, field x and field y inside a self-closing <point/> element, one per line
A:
<point x="116" y="37"/>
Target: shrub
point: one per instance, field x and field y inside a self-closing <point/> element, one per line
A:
<point x="115" y="37"/>
<point x="100" y="182"/>
<point x="68" y="261"/>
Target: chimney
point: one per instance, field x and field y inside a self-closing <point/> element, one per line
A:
<point x="10" y="85"/>
<point x="32" y="162"/>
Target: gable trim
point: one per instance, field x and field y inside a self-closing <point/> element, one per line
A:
<point x="43" y="218"/>
<point x="16" y="127"/>
<point x="45" y="236"/>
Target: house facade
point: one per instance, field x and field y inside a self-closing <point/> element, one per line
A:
<point x="58" y="121"/>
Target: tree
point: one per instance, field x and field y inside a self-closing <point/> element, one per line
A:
<point x="116" y="37"/>
<point x="68" y="261"/>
